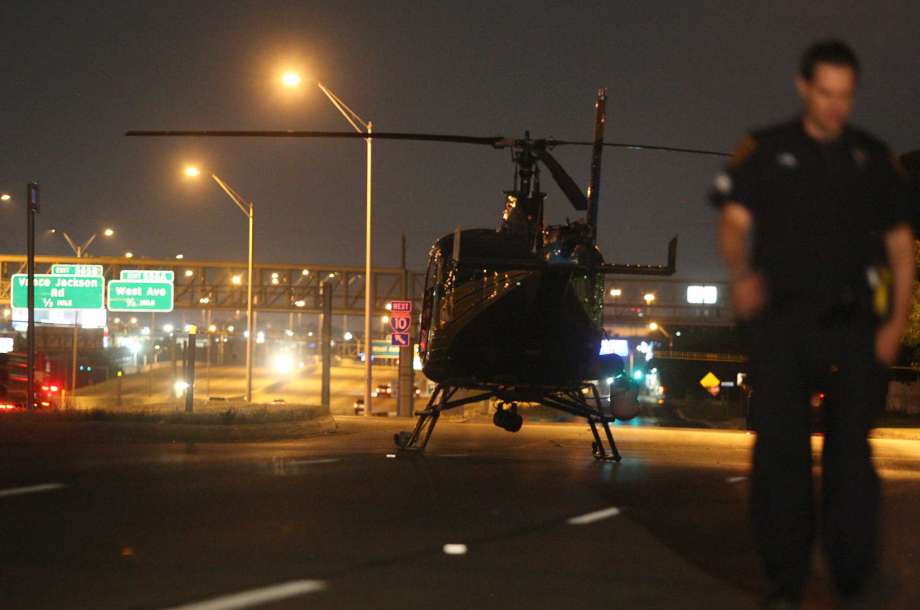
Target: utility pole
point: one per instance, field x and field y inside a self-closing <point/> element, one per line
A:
<point x="32" y="208"/>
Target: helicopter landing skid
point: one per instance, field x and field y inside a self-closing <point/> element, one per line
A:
<point x="572" y="402"/>
<point x="597" y="447"/>
<point x="414" y="443"/>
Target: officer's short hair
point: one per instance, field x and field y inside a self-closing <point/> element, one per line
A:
<point x="834" y="52"/>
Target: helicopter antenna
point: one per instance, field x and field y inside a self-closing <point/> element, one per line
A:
<point x="455" y="255"/>
<point x="600" y="121"/>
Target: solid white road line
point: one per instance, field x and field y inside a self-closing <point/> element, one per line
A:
<point x="30" y="489"/>
<point x="595" y="516"/>
<point x="733" y="480"/>
<point x="256" y="597"/>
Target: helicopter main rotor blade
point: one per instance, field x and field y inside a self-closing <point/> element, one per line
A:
<point x="494" y="141"/>
<point x="565" y="182"/>
<point x="692" y="151"/>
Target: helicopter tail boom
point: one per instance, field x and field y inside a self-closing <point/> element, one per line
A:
<point x="669" y="269"/>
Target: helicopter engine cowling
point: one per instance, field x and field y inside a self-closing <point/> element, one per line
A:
<point x="624" y="402"/>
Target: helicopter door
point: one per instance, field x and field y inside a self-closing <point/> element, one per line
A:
<point x="430" y="302"/>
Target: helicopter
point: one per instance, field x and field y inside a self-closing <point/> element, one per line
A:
<point x="516" y="314"/>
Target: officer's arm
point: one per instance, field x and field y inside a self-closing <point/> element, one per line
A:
<point x="899" y="244"/>
<point x="734" y="235"/>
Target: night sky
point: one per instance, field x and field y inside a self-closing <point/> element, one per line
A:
<point x="76" y="75"/>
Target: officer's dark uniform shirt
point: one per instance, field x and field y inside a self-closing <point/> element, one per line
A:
<point x="820" y="211"/>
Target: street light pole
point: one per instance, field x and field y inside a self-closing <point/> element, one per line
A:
<point x="368" y="284"/>
<point x="248" y="210"/>
<point x="362" y="126"/>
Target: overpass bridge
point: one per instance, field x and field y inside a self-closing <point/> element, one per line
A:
<point x="221" y="285"/>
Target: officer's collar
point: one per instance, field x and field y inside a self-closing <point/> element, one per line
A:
<point x="843" y="138"/>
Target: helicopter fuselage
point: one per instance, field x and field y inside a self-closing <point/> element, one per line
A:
<point x="501" y="315"/>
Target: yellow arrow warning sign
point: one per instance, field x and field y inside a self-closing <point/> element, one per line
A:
<point x="710" y="381"/>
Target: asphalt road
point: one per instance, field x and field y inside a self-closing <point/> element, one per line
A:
<point x="300" y="386"/>
<point x="486" y="520"/>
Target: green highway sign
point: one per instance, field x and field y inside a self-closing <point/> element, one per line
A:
<point x="90" y="270"/>
<point x="148" y="275"/>
<point x="59" y="291"/>
<point x="135" y="295"/>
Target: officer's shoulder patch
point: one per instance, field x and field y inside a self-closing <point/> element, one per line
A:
<point x="743" y="151"/>
<point x="899" y="166"/>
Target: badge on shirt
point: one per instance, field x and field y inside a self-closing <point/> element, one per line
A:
<point x="787" y="160"/>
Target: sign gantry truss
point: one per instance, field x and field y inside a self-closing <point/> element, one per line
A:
<point x="221" y="285"/>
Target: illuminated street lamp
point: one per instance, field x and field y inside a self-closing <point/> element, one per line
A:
<point x="616" y="292"/>
<point x="291" y="79"/>
<point x="649" y="298"/>
<point x="248" y="210"/>
<point x="5" y="197"/>
<point x="129" y="254"/>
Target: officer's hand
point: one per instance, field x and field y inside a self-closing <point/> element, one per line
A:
<point x="888" y="343"/>
<point x="749" y="295"/>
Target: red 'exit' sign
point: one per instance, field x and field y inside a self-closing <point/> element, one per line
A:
<point x="401" y="306"/>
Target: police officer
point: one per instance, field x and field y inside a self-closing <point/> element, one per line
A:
<point x="807" y="207"/>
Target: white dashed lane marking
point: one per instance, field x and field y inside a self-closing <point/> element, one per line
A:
<point x="30" y="489"/>
<point x="733" y="480"/>
<point x="256" y="597"/>
<point x="597" y="515"/>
